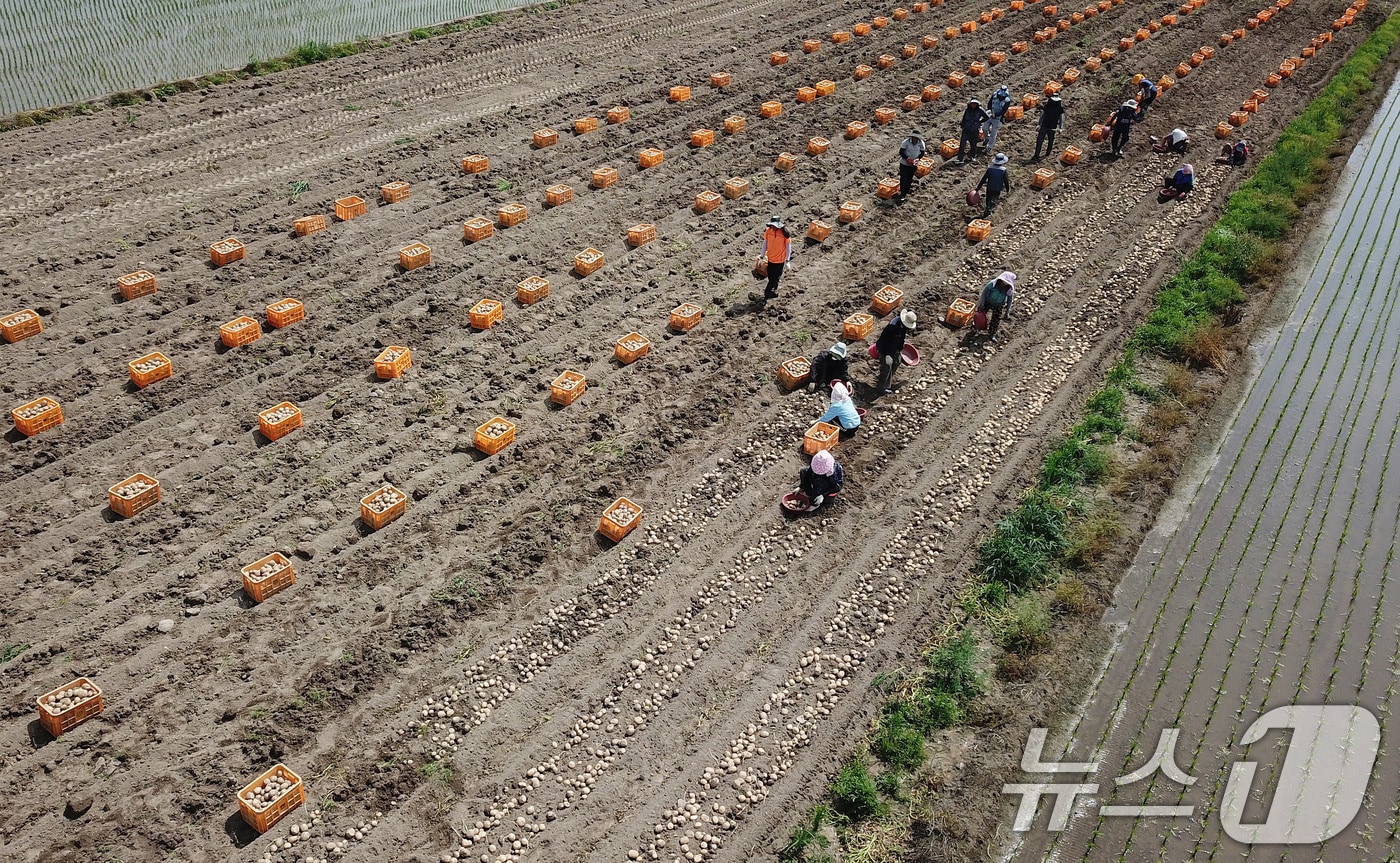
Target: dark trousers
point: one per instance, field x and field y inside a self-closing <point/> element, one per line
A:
<point x="967" y="146"/>
<point x="1120" y="137"/>
<point x="989" y="203"/>
<point x="888" y="363"/>
<point x="1047" y="137"/>
<point x="906" y="179"/>
<point x="775" y="272"/>
<point x="994" y="314"/>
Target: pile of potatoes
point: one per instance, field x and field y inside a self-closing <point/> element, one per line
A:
<point x="16" y="319"/>
<point x="235" y="326"/>
<point x="285" y="412"/>
<point x="33" y="411"/>
<point x="623" y="514"/>
<point x="497" y="429"/>
<point x="65" y="700"/>
<point x="634" y="344"/>
<point x="133" y="488"/>
<point x="286" y="306"/>
<point x="268" y="793"/>
<point x="149" y="365"/>
<point x="267" y="570"/>
<point x="385" y="499"/>
<point x="390" y="355"/>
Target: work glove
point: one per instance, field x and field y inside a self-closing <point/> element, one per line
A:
<point x="817" y="501"/>
<point x="811" y="386"/>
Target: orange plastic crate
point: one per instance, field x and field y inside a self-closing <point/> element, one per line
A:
<point x="1183" y="69"/>
<point x="486" y="314"/>
<point x="1239" y="118"/>
<point x="640" y="235"/>
<point x="886" y="61"/>
<point x="880" y="22"/>
<point x="680" y="94"/>
<point x="806" y="94"/>
<point x="850" y="212"/>
<point x="707" y="201"/>
<point x="146" y="370"/>
<point x="735" y="187"/>
<point x="817" y="146"/>
<point x="392" y="193"/>
<point x="960" y="313"/>
<point x="494" y="435"/>
<point x="1098" y="133"/>
<point x="920" y="6"/>
<point x="392" y="362"/>
<point x="785" y="162"/>
<point x="532" y="290"/>
<point x="1260" y="96"/>
<point x="929" y="42"/>
<point x="477" y="228"/>
<point x="1014" y="113"/>
<point x="225" y="252"/>
<point x="137" y="284"/>
<point x="702" y="137"/>
<point x="1050" y="11"/>
<point x="996" y="58"/>
<point x="631" y="348"/>
<point x="1168" y="20"/>
<point x="56" y="721"/>
<point x="382" y="506"/>
<point x="308" y="225"/>
<point x="619" y="114"/>
<point x="413" y="256"/>
<point x="604" y="177"/>
<point x="1196" y="59"/>
<point x="1052" y="87"/>
<point x="263" y="820"/>
<point x="810" y="46"/>
<point x="1250" y="105"/>
<point x="956" y="79"/>
<point x="556" y="195"/>
<point x="240" y="331"/>
<point x="889" y="187"/>
<point x="348" y="208"/>
<point x="1042" y="178"/>
<point x="1071" y="155"/>
<point x="770" y="109"/>
<point x="923" y="166"/>
<point x="818" y="230"/>
<point x="37" y="416"/>
<point x="912" y="102"/>
<point x="1166" y="82"/>
<point x="968" y="27"/>
<point x="684" y="317"/>
<point x="777" y="58"/>
<point x="1224" y="130"/>
<point x="511" y="215"/>
<point x="620" y="518"/>
<point x="977" y="67"/>
<point x="565" y="389"/>
<point x="978" y="229"/>
<point x="1020" y="47"/>
<point x="584" y="125"/>
<point x="861" y="29"/>
<point x="285" y="312"/>
<point x="985" y="18"/>
<point x="588" y="261"/>
<point x="1273" y="80"/>
<point x="793" y="373"/>
<point x="886" y="300"/>
<point x="475" y="164"/>
<point x="1070" y="76"/>
<point x="21" y="325"/>
<point x="720" y="79"/>
<point x="133" y="494"/>
<point x="909" y="52"/>
<point x="270" y="575"/>
<point x="1093" y="64"/>
<point x="1106" y="54"/>
<point x="819" y="437"/>
<point x="734" y="124"/>
<point x="884" y="116"/>
<point x="841" y="36"/>
<point x="948" y="148"/>
<point x="857" y="326"/>
<point x="651" y="157"/>
<point x="279" y="420"/>
<point x="824" y="87"/>
<point x="899" y="14"/>
<point x="545" y="138"/>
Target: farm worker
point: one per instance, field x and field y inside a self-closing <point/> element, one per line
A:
<point x="1122" y="123"/>
<point x="842" y="410"/>
<point x="1177" y="142"/>
<point x="1052" y="120"/>
<point x="777" y="251"/>
<point x="1182" y="182"/>
<point x="996" y="108"/>
<point x="1147" y="94"/>
<point x="910" y="152"/>
<point x="996" y="180"/>
<point x="995" y="301"/>
<point x="972" y="119"/>
<point x="1235" y="154"/>
<point x="830" y="365"/>
<point x="823" y="479"/>
<point x="889" y="346"/>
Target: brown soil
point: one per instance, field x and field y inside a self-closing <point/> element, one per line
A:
<point x="493" y="591"/>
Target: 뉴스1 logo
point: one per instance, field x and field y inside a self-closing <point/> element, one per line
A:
<point x="1319" y="791"/>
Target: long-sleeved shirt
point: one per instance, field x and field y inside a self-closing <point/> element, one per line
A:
<point x="997" y="105"/>
<point x="995" y="179"/>
<point x="777" y="247"/>
<point x="815" y="485"/>
<point x="891" y="340"/>
<point x="911" y="151"/>
<point x="828" y="367"/>
<point x="973" y="118"/>
<point x="1183" y="182"/>
<point x="844" y="412"/>
<point x="1123" y="118"/>
<point x="989" y="295"/>
<point x="1052" y="114"/>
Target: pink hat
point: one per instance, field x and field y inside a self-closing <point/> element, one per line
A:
<point x="823" y="463"/>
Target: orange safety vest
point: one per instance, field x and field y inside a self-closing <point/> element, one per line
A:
<point x="777" y="246"/>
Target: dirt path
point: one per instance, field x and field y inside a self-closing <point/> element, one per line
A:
<point x="591" y="687"/>
<point x="1274" y="586"/>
